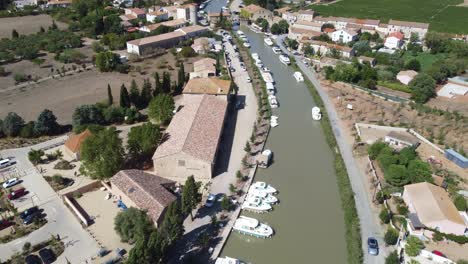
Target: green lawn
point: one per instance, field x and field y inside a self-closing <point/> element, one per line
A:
<point x="425" y="58"/>
<point x="441" y="15"/>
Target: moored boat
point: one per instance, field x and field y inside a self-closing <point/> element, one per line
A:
<point x="284" y="59"/>
<point x="227" y="260"/>
<point x="273" y="101"/>
<point x="252" y="227"/>
<point x="256" y="205"/>
<point x="265" y="69"/>
<point x="276" y="50"/>
<point x="298" y="76"/>
<point x="316" y="113"/>
<point x="263" y="186"/>
<point x="266" y="197"/>
<point x="268" y="41"/>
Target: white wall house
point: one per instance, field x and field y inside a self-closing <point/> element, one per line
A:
<point x="22" y="3"/>
<point x="344" y="36"/>
<point x="394" y="40"/>
<point x="157" y="15"/>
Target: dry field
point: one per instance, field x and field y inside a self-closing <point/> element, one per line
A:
<point x="26" y="24"/>
<point x="369" y="109"/>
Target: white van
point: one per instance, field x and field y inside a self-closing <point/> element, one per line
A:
<point x="4" y="163"/>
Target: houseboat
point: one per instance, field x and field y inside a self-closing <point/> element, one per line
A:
<point x="255" y="56"/>
<point x="256" y="205"/>
<point x="228" y="260"/>
<point x="263" y="160"/>
<point x="316" y="113"/>
<point x="265" y="69"/>
<point x="273" y="101"/>
<point x="266" y="197"/>
<point x="263" y="186"/>
<point x="268" y="41"/>
<point x="284" y="59"/>
<point x="266" y="76"/>
<point x="246" y="44"/>
<point x="270" y="88"/>
<point x="298" y="76"/>
<point x="276" y="50"/>
<point x="252" y="227"/>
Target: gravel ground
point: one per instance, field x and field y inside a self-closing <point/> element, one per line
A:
<point x="26" y="24"/>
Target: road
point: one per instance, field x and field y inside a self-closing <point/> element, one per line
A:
<point x="370" y="225"/>
<point x="80" y="246"/>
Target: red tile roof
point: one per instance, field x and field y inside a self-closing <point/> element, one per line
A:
<point x="74" y="142"/>
<point x="397" y="35"/>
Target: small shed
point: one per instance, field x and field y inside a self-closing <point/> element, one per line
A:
<point x="456" y="158"/>
<point x="401" y="139"/>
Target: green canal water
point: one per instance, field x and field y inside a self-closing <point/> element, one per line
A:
<point x="308" y="221"/>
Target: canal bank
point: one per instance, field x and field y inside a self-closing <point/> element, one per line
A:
<point x="308" y="222"/>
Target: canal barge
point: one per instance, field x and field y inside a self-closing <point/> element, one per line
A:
<point x="252" y="227"/>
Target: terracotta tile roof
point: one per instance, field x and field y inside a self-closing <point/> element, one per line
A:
<point x="196" y="129"/>
<point x="157" y="13"/>
<point x="212" y="86"/>
<point x="329" y="30"/>
<point x="153" y="39"/>
<point x="128" y="17"/>
<point x="153" y="27"/>
<point x="137" y="11"/>
<point x="306" y="12"/>
<point x="192" y="29"/>
<point x="397" y="35"/>
<point x="206" y="64"/>
<point x="308" y="23"/>
<point x="253" y="8"/>
<point x="408" y="24"/>
<point x="174" y="23"/>
<point x="296" y="30"/>
<point x="148" y="191"/>
<point x="74" y="142"/>
<point x="283" y="9"/>
<point x="432" y="203"/>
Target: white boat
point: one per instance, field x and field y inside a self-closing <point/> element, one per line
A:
<point x="270" y="86"/>
<point x="284" y="59"/>
<point x="258" y="63"/>
<point x="316" y="113"/>
<point x="246" y="44"/>
<point x="202" y="6"/>
<point x="267" y="77"/>
<point x="265" y="69"/>
<point x="227" y="260"/>
<point x="276" y="50"/>
<point x="256" y="205"/>
<point x="266" y="197"/>
<point x="298" y="76"/>
<point x="240" y="33"/>
<point x="273" y="117"/>
<point x="263" y="186"/>
<point x="255" y="56"/>
<point x="252" y="227"/>
<point x="274" y="123"/>
<point x="268" y="41"/>
<point x="273" y="101"/>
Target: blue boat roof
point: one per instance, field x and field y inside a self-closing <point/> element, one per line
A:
<point x="457" y="155"/>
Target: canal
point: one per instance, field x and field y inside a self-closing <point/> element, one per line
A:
<point x="214" y="6"/>
<point x="308" y="222"/>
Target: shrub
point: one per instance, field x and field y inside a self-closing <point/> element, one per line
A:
<point x="460" y="203"/>
<point x="188" y="52"/>
<point x="385" y="216"/>
<point x="402" y="209"/>
<point x="413" y="246"/>
<point x="392" y="258"/>
<point x="391" y="236"/>
<point x="20" y="77"/>
<point x="437" y="237"/>
<point x="26" y="247"/>
<point x="64" y="165"/>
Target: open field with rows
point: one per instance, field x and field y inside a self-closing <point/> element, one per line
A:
<point x="443" y="15"/>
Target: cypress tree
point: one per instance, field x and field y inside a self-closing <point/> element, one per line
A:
<point x="135" y="94"/>
<point x="190" y="196"/>
<point x="157" y="85"/>
<point x="218" y="66"/>
<point x="14" y="34"/>
<point x="181" y="78"/>
<point x="124" y="97"/>
<point x="166" y="83"/>
<point x="146" y="94"/>
<point x="110" y="98"/>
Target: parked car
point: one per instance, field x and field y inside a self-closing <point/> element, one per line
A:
<point x="373" y="246"/>
<point x="47" y="255"/>
<point x="248" y="80"/>
<point x="30" y="218"/>
<point x="5" y="223"/>
<point x="239" y="104"/>
<point x="17" y="194"/>
<point x="5" y="163"/>
<point x="210" y="200"/>
<point x="11" y="182"/>
<point x="438" y="253"/>
<point x="33" y="259"/>
<point x="28" y="212"/>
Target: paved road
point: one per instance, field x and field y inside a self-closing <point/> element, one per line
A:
<point x="80" y="245"/>
<point x="370" y="225"/>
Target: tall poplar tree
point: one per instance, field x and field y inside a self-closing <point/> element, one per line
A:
<point x="124" y="97"/>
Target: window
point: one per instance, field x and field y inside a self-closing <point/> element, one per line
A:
<point x="181" y="163"/>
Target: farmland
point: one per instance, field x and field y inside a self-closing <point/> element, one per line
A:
<point x="443" y="15"/>
<point x="26" y="25"/>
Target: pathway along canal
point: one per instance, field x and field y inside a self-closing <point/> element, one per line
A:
<point x="308" y="221"/>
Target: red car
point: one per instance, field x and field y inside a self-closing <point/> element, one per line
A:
<point x="17" y="194"/>
<point x="438" y="253"/>
<point x="5" y="223"/>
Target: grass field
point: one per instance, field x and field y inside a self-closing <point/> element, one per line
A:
<point x="443" y="15"/>
<point x="426" y="59"/>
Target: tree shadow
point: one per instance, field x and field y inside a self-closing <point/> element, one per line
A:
<point x="226" y="143"/>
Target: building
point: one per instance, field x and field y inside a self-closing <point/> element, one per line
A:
<point x="290" y="17"/>
<point x="305" y="24"/>
<point x="158" y="15"/>
<point x="204" y="68"/>
<point x="148" y="45"/>
<point x="299" y="33"/>
<point x="407" y="28"/>
<point x="431" y="206"/>
<point x="201" y="46"/>
<point x="394" y="40"/>
<point x="306" y="15"/>
<point x="405" y="77"/>
<point x="187" y="12"/>
<point x="211" y="86"/>
<point x="456" y="158"/>
<point x="253" y="12"/>
<point x="363" y="59"/>
<point x="58" y="3"/>
<point x="137" y="13"/>
<point x="324" y="48"/>
<point x="73" y="144"/>
<point x="214" y="18"/>
<point x="455" y="87"/>
<point x="20" y="4"/>
<point x="145" y="191"/>
<point x="344" y="35"/>
<point x="193" y="138"/>
<point x="344" y="22"/>
<point x="176" y="23"/>
<point x="401" y="140"/>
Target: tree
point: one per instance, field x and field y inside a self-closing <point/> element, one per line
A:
<point x="413" y="246"/>
<point x="172" y="227"/>
<point x="191" y="196"/>
<point x="422" y="88"/>
<point x="46" y="123"/>
<point x="12" y="124"/>
<point x="392" y="258"/>
<point x="406" y="155"/>
<point x="397" y="175"/>
<point x="391" y="236"/>
<point x="146" y="94"/>
<point x="14" y="34"/>
<point x="187" y="52"/>
<point x="309" y="50"/>
<point x="87" y="114"/>
<point x="160" y="108"/>
<point x="264" y="25"/>
<point x="27" y="131"/>
<point x="124" y="97"/>
<point x="419" y="171"/>
<point x="385" y="216"/>
<point x="166" y="83"/>
<point x="143" y="140"/>
<point x="110" y="98"/>
<point x="225" y="204"/>
<point x="135" y="95"/>
<point x="35" y="156"/>
<point x="413" y="64"/>
<point x="361" y="47"/>
<point x="374" y="149"/>
<point x="132" y="224"/>
<point x="102" y="154"/>
<point x="180" y="78"/>
<point x="386" y="159"/>
<point x="106" y="61"/>
<point x="292" y="43"/>
<point x="157" y="85"/>
<point x="460" y="203"/>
